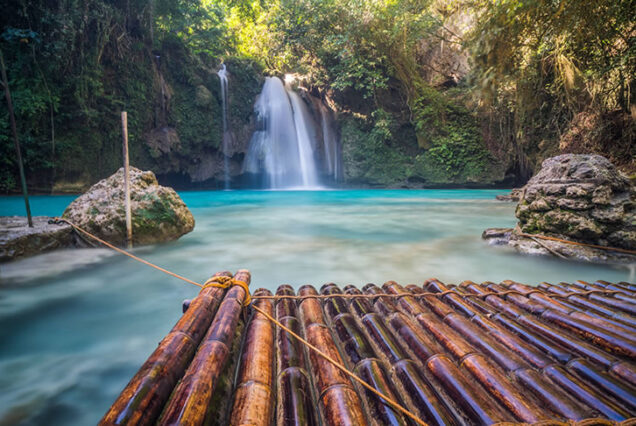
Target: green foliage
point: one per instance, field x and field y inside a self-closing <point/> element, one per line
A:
<point x="367" y="153"/>
<point x="73" y="66"/>
<point x="539" y="63"/>
<point x="457" y="155"/>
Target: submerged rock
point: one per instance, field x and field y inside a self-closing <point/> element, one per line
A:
<point x="580" y="198"/>
<point x="158" y="213"/>
<point x="17" y="239"/>
<point x="515" y="194"/>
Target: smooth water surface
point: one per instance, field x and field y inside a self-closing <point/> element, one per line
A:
<point x="75" y="325"/>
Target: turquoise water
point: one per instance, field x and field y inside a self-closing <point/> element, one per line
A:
<point x="75" y="325"/>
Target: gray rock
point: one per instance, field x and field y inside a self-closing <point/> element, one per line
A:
<point x="539" y="205"/>
<point x="573" y="204"/>
<point x="581" y="198"/>
<point x="514" y="195"/>
<point x="17" y="239"/>
<point x="497" y="236"/>
<point x="158" y="213"/>
<point x="539" y="247"/>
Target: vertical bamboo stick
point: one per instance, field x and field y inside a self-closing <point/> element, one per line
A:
<point x="142" y="400"/>
<point x="190" y="401"/>
<point x="253" y="397"/>
<point x="14" y="131"/>
<point x="124" y="130"/>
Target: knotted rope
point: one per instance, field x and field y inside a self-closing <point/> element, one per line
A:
<point x="224" y="281"/>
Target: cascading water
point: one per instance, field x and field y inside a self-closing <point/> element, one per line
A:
<point x="306" y="144"/>
<point x="331" y="145"/>
<point x="222" y="73"/>
<point x="282" y="147"/>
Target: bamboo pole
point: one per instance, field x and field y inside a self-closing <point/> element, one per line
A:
<point x="413" y="387"/>
<point x="253" y="395"/>
<point x="339" y="403"/>
<point x="542" y="335"/>
<point x="190" y="401"/>
<point x="462" y="338"/>
<point x="479" y="408"/>
<point x="552" y="397"/>
<point x="553" y="312"/>
<point x="295" y="399"/>
<point x="593" y="308"/>
<point x="124" y="129"/>
<point x="14" y="131"/>
<point x="584" y="393"/>
<point x="360" y="357"/>
<point x="618" y="287"/>
<point x="142" y="400"/>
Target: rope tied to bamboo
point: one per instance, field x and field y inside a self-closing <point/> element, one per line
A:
<point x="224" y="282"/>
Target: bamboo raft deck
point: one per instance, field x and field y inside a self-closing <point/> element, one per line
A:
<point x="474" y="354"/>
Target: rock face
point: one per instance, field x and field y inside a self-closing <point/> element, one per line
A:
<point x="158" y="213"/>
<point x="18" y="240"/>
<point x="581" y="198"/>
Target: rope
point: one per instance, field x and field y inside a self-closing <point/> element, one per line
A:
<point x="225" y="282"/>
<point x="576" y="243"/>
<point x="342" y="368"/>
<point x="124" y="252"/>
<point x="221" y="281"/>
<point x="483" y="295"/>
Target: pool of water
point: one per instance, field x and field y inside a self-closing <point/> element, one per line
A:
<point x="75" y="325"/>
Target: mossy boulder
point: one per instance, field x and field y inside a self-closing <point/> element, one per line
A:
<point x="158" y="213"/>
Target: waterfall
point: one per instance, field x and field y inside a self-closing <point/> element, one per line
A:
<point x="331" y="144"/>
<point x="282" y="147"/>
<point x="222" y="73"/>
<point x="306" y="143"/>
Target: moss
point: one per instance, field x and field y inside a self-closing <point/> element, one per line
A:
<point x="368" y="156"/>
<point x="378" y="150"/>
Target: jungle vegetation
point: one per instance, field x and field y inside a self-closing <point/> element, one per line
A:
<point x="440" y="91"/>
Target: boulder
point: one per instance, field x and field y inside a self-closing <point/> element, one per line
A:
<point x="158" y="213"/>
<point x="581" y="198"/>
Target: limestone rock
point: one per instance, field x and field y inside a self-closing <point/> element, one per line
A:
<point x="588" y="199"/>
<point x="580" y="198"/>
<point x="158" y="213"/>
<point x="18" y="240"/>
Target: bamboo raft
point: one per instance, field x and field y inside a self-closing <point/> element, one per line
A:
<point x="474" y="354"/>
